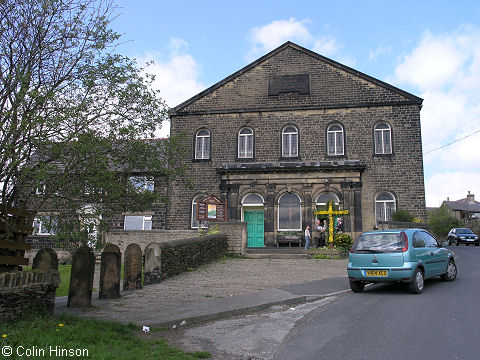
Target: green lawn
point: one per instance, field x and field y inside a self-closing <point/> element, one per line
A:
<point x="101" y="339"/>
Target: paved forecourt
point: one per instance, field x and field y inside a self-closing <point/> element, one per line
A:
<point x="216" y="284"/>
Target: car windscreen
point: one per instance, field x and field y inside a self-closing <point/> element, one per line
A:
<point x="380" y="242"/>
<point x="464" y="231"/>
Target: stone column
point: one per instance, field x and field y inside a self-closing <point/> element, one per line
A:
<point x="110" y="269"/>
<point x="308" y="219"/>
<point x="132" y="268"/>
<point x="81" y="278"/>
<point x="347" y="205"/>
<point x="269" y="214"/>
<point x="357" y="206"/>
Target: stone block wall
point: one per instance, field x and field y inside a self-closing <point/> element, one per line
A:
<point x="122" y="238"/>
<point x="181" y="254"/>
<point x="24" y="290"/>
<point x="236" y="232"/>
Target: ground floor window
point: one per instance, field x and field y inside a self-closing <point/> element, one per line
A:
<point x="194" y="221"/>
<point x="384" y="206"/>
<point x="138" y="222"/>
<point x="45" y="225"/>
<point x="289" y="212"/>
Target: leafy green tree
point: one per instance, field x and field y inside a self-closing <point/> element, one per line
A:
<point x="441" y="221"/>
<point x="74" y="114"/>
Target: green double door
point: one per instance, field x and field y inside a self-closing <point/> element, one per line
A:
<point x="254" y="220"/>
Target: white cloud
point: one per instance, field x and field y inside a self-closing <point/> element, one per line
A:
<point x="445" y="68"/>
<point x="176" y="75"/>
<point x="267" y="37"/>
<point x="379" y="51"/>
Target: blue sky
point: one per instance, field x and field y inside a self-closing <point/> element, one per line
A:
<point x="429" y="48"/>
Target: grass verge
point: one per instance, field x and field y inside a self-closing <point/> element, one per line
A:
<point x="51" y="337"/>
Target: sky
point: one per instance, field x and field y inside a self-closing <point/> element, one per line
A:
<point x="428" y="48"/>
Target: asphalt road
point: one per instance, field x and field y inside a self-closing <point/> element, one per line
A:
<point x="387" y="322"/>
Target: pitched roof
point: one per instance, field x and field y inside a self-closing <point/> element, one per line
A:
<point x="413" y="98"/>
<point x="464" y="205"/>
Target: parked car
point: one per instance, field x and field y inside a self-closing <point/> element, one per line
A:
<point x="403" y="255"/>
<point x="462" y="236"/>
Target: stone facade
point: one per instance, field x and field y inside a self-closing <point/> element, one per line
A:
<point x="336" y="94"/>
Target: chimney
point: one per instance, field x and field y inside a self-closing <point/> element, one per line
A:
<point x="448" y="199"/>
<point x="470" y="197"/>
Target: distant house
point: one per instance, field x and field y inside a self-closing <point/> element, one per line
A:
<point x="464" y="208"/>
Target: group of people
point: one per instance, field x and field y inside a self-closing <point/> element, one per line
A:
<point x="320" y="232"/>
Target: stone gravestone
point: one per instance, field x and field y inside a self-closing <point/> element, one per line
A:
<point x="132" y="271"/>
<point x="110" y="269"/>
<point x="45" y="259"/>
<point x="153" y="268"/>
<point x="81" y="278"/>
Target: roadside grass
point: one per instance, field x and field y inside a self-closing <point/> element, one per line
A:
<point x="102" y="339"/>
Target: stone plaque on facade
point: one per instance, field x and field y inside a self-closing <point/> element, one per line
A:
<point x="299" y="83"/>
<point x="211" y="209"/>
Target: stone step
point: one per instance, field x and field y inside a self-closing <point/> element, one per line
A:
<point x="275" y="250"/>
<point x="275" y="256"/>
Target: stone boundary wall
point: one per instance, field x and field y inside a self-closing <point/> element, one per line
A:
<point x="236" y="236"/>
<point x="385" y="225"/>
<point x="181" y="254"/>
<point x="122" y="238"/>
<point x="24" y="290"/>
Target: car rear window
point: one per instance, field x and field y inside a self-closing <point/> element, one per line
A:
<point x="379" y="242"/>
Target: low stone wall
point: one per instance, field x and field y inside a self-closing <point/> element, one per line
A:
<point x="180" y="255"/>
<point x="236" y="236"/>
<point x="122" y="238"/>
<point x="21" y="291"/>
<point x="64" y="256"/>
<point x="385" y="225"/>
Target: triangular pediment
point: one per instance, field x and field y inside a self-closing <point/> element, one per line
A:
<point x="292" y="77"/>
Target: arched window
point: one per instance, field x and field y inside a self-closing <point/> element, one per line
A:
<point x="245" y="143"/>
<point x="290" y="141"/>
<point x="335" y="140"/>
<point x="384" y="206"/>
<point x="253" y="200"/>
<point x="202" y="144"/>
<point x="324" y="198"/>
<point x="289" y="212"/>
<point x="383" y="138"/>
<point x="194" y="222"/>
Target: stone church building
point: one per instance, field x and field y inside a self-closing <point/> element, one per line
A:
<point x="283" y="135"/>
<point x="280" y="138"/>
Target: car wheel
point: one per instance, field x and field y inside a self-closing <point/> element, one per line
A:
<point x="417" y="284"/>
<point x="467" y="244"/>
<point x="451" y="273"/>
<point x="477" y="244"/>
<point x="457" y="243"/>
<point x="357" y="286"/>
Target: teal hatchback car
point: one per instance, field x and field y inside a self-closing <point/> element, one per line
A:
<point x="404" y="255"/>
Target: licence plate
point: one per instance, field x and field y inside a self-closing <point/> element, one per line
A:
<point x="377" y="273"/>
<point x="469" y="239"/>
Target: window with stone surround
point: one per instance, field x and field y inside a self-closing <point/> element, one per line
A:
<point x="194" y="221"/>
<point x="202" y="144"/>
<point x="142" y="183"/>
<point x="245" y="143"/>
<point x="290" y="141"/>
<point x="45" y="225"/>
<point x="383" y="138"/>
<point x="289" y="212"/>
<point x="138" y="222"/>
<point x="384" y="206"/>
<point x="335" y="140"/>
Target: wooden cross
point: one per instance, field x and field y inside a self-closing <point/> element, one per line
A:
<point x="330" y="212"/>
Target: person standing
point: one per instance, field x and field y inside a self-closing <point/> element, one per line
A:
<point x="307" y="237"/>
<point x="316" y="235"/>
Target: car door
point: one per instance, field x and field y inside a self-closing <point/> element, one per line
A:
<point x="422" y="253"/>
<point x="437" y="262"/>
